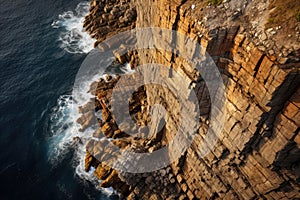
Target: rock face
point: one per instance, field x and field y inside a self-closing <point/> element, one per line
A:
<point x="258" y="152"/>
<point x="108" y="17"/>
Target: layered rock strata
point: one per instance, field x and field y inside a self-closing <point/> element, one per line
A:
<point x="257" y="154"/>
<point x="109" y="17"/>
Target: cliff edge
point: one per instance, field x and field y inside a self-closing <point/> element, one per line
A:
<point x="257" y="154"/>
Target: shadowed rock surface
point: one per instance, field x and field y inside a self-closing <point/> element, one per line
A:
<point x="257" y="154"/>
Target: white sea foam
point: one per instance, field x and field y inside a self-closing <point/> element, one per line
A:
<point x="127" y="69"/>
<point x="63" y="125"/>
<point x="64" y="128"/>
<point x="73" y="38"/>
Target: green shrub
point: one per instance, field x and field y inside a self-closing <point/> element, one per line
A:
<point x="215" y="2"/>
<point x="298" y="16"/>
<point x="271" y="20"/>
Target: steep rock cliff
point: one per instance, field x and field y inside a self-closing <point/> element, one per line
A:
<point x="258" y="151"/>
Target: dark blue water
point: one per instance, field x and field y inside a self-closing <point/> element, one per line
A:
<point x="35" y="72"/>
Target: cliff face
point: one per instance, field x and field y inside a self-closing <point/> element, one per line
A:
<point x="257" y="154"/>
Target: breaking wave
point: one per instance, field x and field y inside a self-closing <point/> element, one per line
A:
<point x="73" y="38"/>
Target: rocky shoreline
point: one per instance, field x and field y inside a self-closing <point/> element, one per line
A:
<point x="124" y="183"/>
<point x="257" y="154"/>
<point x="109" y="17"/>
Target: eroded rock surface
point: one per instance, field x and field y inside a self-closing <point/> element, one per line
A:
<point x="258" y="152"/>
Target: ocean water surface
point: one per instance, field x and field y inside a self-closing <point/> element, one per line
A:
<point x="42" y="47"/>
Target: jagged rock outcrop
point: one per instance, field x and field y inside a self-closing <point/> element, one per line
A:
<point x="258" y="152"/>
<point x="108" y="17"/>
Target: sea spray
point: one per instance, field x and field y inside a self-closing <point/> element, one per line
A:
<point x="63" y="125"/>
<point x="64" y="128"/>
<point x="73" y="38"/>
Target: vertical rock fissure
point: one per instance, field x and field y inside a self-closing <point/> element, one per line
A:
<point x="255" y="155"/>
<point x="280" y="97"/>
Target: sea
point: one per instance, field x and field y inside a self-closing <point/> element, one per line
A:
<point x="42" y="47"/>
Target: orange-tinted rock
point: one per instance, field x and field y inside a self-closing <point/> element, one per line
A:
<point x="102" y="172"/>
<point x="255" y="155"/>
<point x="88" y="162"/>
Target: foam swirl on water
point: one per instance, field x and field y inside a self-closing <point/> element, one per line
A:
<point x="73" y="38"/>
<point x="64" y="128"/>
<point x="63" y="117"/>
